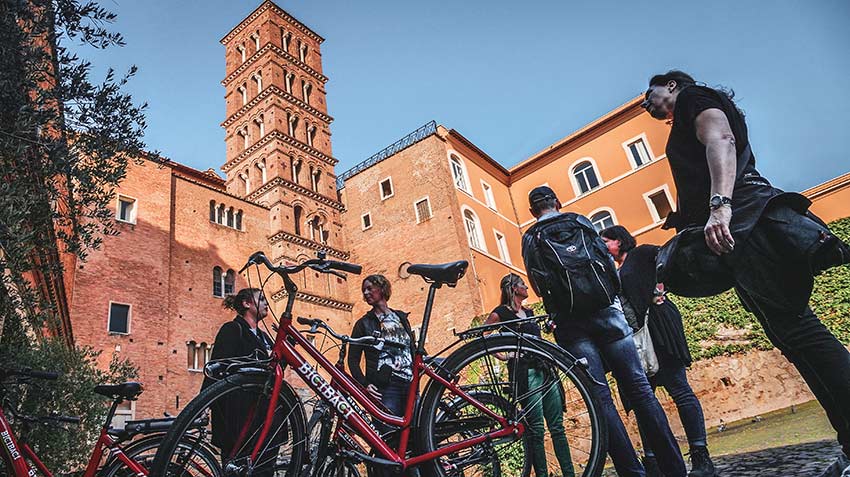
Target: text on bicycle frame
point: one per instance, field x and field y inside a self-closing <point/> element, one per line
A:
<point x="333" y="396"/>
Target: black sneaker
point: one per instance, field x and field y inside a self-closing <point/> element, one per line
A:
<point x="701" y="464"/>
<point x="651" y="466"/>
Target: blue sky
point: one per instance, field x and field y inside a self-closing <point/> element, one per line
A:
<point x="513" y="77"/>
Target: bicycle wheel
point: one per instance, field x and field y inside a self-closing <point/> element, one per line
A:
<point x="201" y="460"/>
<point x="479" y="367"/>
<point x="235" y="409"/>
<point x="319" y="434"/>
<point x="339" y="468"/>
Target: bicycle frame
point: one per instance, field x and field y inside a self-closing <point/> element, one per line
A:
<point x="342" y="387"/>
<point x="18" y="455"/>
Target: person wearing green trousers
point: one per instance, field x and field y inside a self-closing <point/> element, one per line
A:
<point x="547" y="403"/>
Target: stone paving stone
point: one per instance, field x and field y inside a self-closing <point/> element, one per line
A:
<point x="801" y="460"/>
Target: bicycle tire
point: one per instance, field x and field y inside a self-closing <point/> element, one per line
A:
<point x="284" y="447"/>
<point x="143" y="451"/>
<point x="318" y="441"/>
<point x="475" y="365"/>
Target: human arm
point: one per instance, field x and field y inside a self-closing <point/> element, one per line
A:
<point x="355" y="355"/>
<point x="494" y="318"/>
<point x="715" y="133"/>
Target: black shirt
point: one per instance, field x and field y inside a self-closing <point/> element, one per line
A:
<point x="689" y="164"/>
<point x="528" y="327"/>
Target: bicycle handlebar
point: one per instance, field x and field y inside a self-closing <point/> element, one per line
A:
<point x="373" y="341"/>
<point x="318" y="264"/>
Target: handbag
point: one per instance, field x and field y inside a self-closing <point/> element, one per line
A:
<point x="645" y="348"/>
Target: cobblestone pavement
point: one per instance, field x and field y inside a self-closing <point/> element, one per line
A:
<point x="801" y="460"/>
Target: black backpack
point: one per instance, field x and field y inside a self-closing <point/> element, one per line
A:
<point x="568" y="263"/>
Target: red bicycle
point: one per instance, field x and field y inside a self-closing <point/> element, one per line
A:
<point x="258" y="421"/>
<point x="118" y="452"/>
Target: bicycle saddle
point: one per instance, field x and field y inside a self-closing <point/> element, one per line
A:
<point x="129" y="391"/>
<point x="443" y="273"/>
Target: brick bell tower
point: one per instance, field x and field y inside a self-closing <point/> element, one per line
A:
<point x="279" y="151"/>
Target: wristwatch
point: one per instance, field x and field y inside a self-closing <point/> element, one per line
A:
<point x="717" y="201"/>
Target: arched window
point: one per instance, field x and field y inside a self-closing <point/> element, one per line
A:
<point x="295" y="167"/>
<point x="585" y="177"/>
<point x="602" y="220"/>
<point x="285" y="36"/>
<point x="459" y="173"/>
<point x="297" y="212"/>
<point x="243" y="92"/>
<point x="293" y="123"/>
<point x="261" y="126"/>
<point x="218" y="283"/>
<point x="229" y="282"/>
<point x="205" y="353"/>
<point x="256" y="39"/>
<point x="219" y="218"/>
<point x="239" y="220"/>
<point x="302" y="52"/>
<point x="311" y="134"/>
<point x="288" y="78"/>
<point x="473" y="230"/>
<point x="262" y="167"/>
<point x="305" y="89"/>
<point x="191" y="355"/>
<point x="242" y="51"/>
<point x="246" y="180"/>
<point x="212" y="211"/>
<point x="258" y="78"/>
<point x="230" y="217"/>
<point x="314" y="178"/>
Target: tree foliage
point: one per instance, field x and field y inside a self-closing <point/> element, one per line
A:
<point x="65" y="143"/>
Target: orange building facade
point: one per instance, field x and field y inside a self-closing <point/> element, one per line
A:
<point x="153" y="293"/>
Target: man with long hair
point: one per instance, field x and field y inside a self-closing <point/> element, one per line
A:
<point x="767" y="245"/>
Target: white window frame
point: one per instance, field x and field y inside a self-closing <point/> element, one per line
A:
<point x="650" y="155"/>
<point x="419" y="219"/>
<point x="363" y="223"/>
<point x="129" y="318"/>
<point x="574" y="181"/>
<point x="467" y="187"/>
<point x="489" y="198"/>
<point x="603" y="209"/>
<point x="133" y="210"/>
<point x="381" y="188"/>
<point x="652" y="210"/>
<point x="479" y="235"/>
<point x="502" y="246"/>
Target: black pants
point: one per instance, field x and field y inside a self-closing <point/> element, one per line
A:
<point x="773" y="281"/>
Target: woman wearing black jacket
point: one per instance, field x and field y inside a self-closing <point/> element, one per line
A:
<point x="388" y="372"/>
<point x="646" y="300"/>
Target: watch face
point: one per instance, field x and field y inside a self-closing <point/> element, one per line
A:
<point x="715" y="201"/>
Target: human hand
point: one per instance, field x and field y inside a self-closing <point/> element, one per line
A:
<point x="373" y="390"/>
<point x="717" y="235"/>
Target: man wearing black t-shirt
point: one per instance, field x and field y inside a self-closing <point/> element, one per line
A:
<point x="766" y="239"/>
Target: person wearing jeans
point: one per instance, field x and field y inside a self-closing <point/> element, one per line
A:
<point x="643" y="299"/>
<point x="603" y="337"/>
<point x="548" y="402"/>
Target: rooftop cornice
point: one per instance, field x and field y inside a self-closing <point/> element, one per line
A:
<point x="266" y="92"/>
<point x="305" y="242"/>
<point x="280" y="181"/>
<point x="259" y="11"/>
<point x="284" y="138"/>
<point x="270" y="47"/>
<point x="315" y="299"/>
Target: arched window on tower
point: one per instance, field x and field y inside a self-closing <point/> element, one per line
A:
<point x="230" y="217"/>
<point x="296" y="169"/>
<point x="255" y="37"/>
<point x="297" y="212"/>
<point x="602" y="220"/>
<point x="585" y="177"/>
<point x="218" y="283"/>
<point x="229" y="282"/>
<point x="305" y="90"/>
<point x="285" y="38"/>
<point x="258" y="78"/>
<point x="212" y="211"/>
<point x="243" y="92"/>
<point x="302" y="52"/>
<point x="261" y="165"/>
<point x="246" y="180"/>
<point x="261" y="126"/>
<point x="293" y="123"/>
<point x="317" y="230"/>
<point x="314" y="179"/>
<point x="288" y="78"/>
<point x="242" y="52"/>
<point x="311" y="134"/>
<point x="238" y="224"/>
